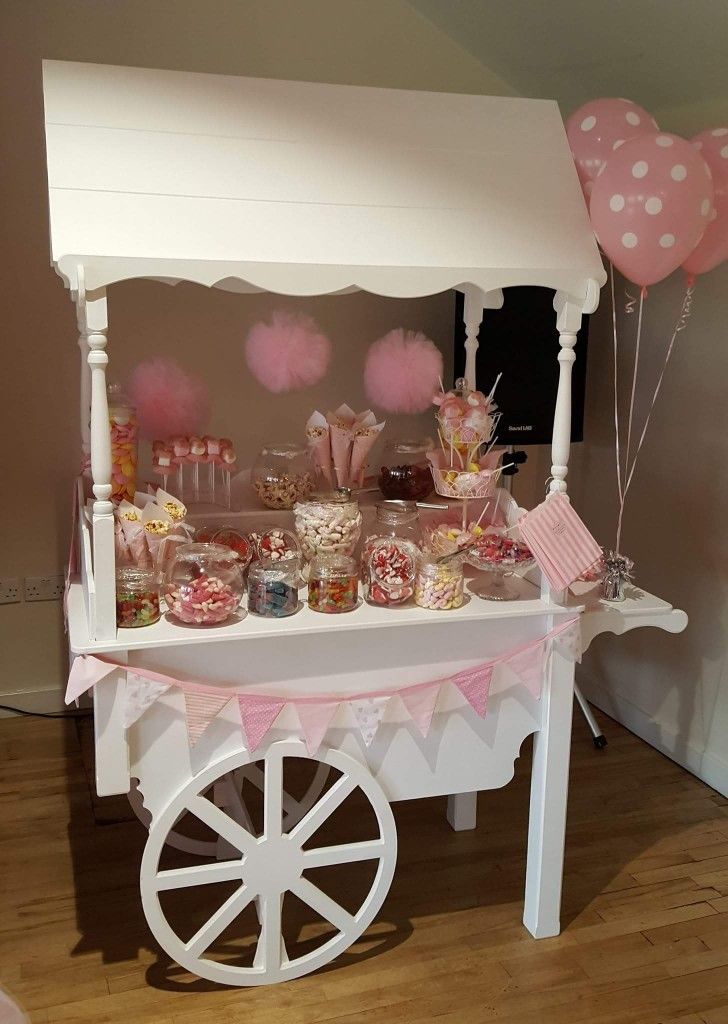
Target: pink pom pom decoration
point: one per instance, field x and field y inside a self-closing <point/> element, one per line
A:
<point x="168" y="400"/>
<point x="288" y="353"/>
<point x="402" y="370"/>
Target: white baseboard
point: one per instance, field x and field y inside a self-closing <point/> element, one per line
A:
<point x="707" y="766"/>
<point x="49" y="701"/>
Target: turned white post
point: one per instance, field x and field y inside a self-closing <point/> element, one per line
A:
<point x="475" y="302"/>
<point x="568" y="321"/>
<point x="85" y="386"/>
<point x="100" y="440"/>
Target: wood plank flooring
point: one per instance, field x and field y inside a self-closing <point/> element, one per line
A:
<point x="645" y="921"/>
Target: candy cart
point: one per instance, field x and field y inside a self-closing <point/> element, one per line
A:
<point x="301" y="189"/>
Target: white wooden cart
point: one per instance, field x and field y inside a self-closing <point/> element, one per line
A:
<point x="300" y="189"/>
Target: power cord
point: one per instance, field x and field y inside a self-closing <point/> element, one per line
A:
<point x="46" y="714"/>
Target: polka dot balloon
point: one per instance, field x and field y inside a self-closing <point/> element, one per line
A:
<point x="651" y="204"/>
<point x="712" y="248"/>
<point x="598" y="129"/>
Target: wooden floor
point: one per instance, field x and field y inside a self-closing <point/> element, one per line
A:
<point x="645" y="919"/>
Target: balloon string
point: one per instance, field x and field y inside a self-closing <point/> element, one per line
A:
<point x="616" y="384"/>
<point x="681" y="324"/>
<point x="634" y="385"/>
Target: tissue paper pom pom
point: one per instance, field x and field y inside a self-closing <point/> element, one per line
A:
<point x="288" y="353"/>
<point x="402" y="371"/>
<point x="168" y="400"/>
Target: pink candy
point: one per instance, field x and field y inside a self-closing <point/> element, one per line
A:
<point x="205" y="601"/>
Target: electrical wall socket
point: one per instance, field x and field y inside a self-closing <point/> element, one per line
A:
<point x="43" y="588"/>
<point x="9" y="590"/>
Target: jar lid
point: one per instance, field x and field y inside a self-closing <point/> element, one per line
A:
<point x="395" y="513"/>
<point x="133" y="578"/>
<point x="284" y="450"/>
<point x="203" y="549"/>
<point x="411" y="446"/>
<point x="332" y="565"/>
<point x="339" y="496"/>
<point x="272" y="570"/>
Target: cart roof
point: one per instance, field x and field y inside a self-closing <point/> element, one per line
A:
<point x="305" y="188"/>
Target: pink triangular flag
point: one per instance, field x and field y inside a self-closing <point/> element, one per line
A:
<point x="568" y="641"/>
<point x="200" y="709"/>
<point x="528" y="666"/>
<point x="258" y="714"/>
<point x="139" y="695"/>
<point x="420" y="702"/>
<point x="315" y="720"/>
<point x="474" y="684"/>
<point x="85" y="672"/>
<point x="368" y="712"/>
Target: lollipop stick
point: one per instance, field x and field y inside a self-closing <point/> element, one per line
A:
<point x="227" y="489"/>
<point x="485" y="509"/>
<point x="196" y="481"/>
<point x="180" y="480"/>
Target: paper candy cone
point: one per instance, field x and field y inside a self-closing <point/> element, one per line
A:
<point x="319" y="443"/>
<point x="136" y="541"/>
<point x="341" y="442"/>
<point x="364" y="438"/>
<point x="122" y="555"/>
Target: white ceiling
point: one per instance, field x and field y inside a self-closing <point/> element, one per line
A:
<point x="663" y="54"/>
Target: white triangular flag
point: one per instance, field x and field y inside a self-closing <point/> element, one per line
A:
<point x="368" y="713"/>
<point x="568" y="641"/>
<point x="140" y="694"/>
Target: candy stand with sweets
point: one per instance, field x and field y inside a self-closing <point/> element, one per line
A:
<point x="302" y="189"/>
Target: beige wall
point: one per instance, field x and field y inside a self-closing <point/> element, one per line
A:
<point x="378" y="42"/>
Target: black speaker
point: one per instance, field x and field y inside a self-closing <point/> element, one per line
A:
<point x="521" y="342"/>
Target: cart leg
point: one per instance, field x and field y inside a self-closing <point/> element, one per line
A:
<point x="112" y="749"/>
<point x="462" y="809"/>
<point x="549" y="788"/>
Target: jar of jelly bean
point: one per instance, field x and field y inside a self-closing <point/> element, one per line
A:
<point x="405" y="474"/>
<point x="439" y="585"/>
<point x="273" y="587"/>
<point x="333" y="583"/>
<point x="137" y="597"/>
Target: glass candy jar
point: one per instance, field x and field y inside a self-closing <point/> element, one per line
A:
<point x="328" y="523"/>
<point x="204" y="584"/>
<point x="124" y="444"/>
<point x="137" y="597"/>
<point x="391" y="553"/>
<point x="439" y="585"/>
<point x="282" y="475"/>
<point x="273" y="587"/>
<point x="333" y="584"/>
<point x="405" y="473"/>
<point x="237" y="541"/>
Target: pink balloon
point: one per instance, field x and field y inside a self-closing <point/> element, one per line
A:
<point x="712" y="248"/>
<point x="598" y="128"/>
<point x="650" y="205"/>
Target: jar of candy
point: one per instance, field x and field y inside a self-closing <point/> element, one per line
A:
<point x="282" y="474"/>
<point x="275" y="543"/>
<point x="388" y="570"/>
<point x="273" y="587"/>
<point x="124" y="444"/>
<point x="137" y="598"/>
<point x="328" y="523"/>
<point x="439" y="585"/>
<point x="333" y="583"/>
<point x="204" y="584"/>
<point x="405" y="473"/>
<point x="238" y="542"/>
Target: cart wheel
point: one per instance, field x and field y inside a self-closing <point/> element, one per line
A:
<point x="293" y="809"/>
<point x="265" y="869"/>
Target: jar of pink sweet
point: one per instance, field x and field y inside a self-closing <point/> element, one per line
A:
<point x="204" y="584"/>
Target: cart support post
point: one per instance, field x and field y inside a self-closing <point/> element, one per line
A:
<point x="475" y="302"/>
<point x="549" y="790"/>
<point x="462" y="811"/>
<point x="93" y="314"/>
<point x="112" y="748"/>
<point x="568" y="322"/>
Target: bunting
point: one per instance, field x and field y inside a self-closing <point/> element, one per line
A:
<point x="258" y="712"/>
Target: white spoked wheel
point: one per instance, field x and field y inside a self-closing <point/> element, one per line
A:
<point x="293" y="808"/>
<point x="266" y="869"/>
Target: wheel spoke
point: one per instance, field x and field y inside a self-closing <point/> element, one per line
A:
<point x="327" y="908"/>
<point x="256" y="778"/>
<point x="273" y="795"/>
<point x="347" y="853"/>
<point x="199" y="874"/>
<point x="270" y="953"/>
<point x="216" y="925"/>
<point x="323" y="809"/>
<point x="221" y="823"/>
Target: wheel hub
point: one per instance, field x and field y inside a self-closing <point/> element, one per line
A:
<point x="273" y="865"/>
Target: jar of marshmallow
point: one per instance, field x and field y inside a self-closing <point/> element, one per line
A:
<point x="328" y="523"/>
